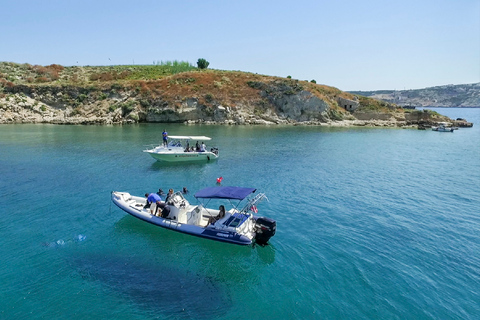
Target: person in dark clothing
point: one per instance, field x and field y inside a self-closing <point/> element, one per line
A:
<point x="165" y="209"/>
<point x="169" y="196"/>
<point x="220" y="215"/>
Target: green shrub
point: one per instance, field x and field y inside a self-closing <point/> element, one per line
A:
<point x="128" y="107"/>
<point x="145" y="103"/>
<point x="209" y="97"/>
<point x="113" y="107"/>
<point x="202" y="63"/>
<point x="82" y="97"/>
<point x="255" y="84"/>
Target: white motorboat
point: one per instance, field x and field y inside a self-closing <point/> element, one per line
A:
<point x="237" y="225"/>
<point x="179" y="149"/>
<point x="443" y="127"/>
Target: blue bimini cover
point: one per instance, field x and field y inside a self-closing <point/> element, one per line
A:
<point x="237" y="193"/>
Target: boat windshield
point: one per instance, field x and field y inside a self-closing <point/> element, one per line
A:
<point x="236" y="220"/>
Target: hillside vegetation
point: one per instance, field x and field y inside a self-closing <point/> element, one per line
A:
<point x="180" y="92"/>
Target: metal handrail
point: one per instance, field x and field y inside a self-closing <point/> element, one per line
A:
<point x="257" y="199"/>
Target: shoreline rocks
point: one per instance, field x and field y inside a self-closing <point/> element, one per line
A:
<point x="78" y="106"/>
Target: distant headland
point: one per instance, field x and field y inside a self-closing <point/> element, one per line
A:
<point x="178" y="92"/>
<point x="460" y="95"/>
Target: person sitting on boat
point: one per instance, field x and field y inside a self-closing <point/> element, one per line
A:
<point x="165" y="137"/>
<point x="169" y="195"/>
<point x="165" y="209"/>
<point x="187" y="147"/>
<point x="152" y="198"/>
<point x="197" y="147"/>
<point x="221" y="214"/>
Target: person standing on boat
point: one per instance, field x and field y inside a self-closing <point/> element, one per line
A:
<point x="197" y="147"/>
<point x="152" y="198"/>
<point x="203" y="148"/>
<point x="165" y="137"/>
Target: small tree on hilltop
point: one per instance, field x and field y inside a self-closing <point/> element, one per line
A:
<point x="202" y="63"/>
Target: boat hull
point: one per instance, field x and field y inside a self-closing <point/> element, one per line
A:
<point x="439" y="129"/>
<point x="208" y="233"/>
<point x="183" y="156"/>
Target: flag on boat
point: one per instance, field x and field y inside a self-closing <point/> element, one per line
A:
<point x="254" y="209"/>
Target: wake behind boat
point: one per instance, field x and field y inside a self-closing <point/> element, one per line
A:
<point x="237" y="226"/>
<point x="179" y="149"/>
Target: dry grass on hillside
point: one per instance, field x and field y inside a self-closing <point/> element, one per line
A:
<point x="228" y="88"/>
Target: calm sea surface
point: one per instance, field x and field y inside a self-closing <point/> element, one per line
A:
<point x="371" y="224"/>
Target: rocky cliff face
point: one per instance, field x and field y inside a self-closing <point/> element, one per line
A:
<point x="26" y="104"/>
<point x="463" y="95"/>
<point x="191" y="97"/>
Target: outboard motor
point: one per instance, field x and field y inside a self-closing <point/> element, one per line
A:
<point x="264" y="229"/>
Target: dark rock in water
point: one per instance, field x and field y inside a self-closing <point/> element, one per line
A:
<point x="156" y="289"/>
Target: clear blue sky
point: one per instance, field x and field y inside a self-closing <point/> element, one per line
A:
<point x="351" y="45"/>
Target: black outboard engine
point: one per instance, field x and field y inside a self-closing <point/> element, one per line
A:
<point x="264" y="229"/>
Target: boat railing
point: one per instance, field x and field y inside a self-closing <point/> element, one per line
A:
<point x="173" y="143"/>
<point x="251" y="204"/>
<point x="150" y="146"/>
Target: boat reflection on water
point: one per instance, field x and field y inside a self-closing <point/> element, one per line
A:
<point x="156" y="288"/>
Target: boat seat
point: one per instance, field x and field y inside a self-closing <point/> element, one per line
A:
<point x="219" y="223"/>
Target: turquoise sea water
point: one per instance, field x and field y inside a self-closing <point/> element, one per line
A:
<point x="371" y="224"/>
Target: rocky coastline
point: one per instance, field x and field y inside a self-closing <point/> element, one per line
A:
<point x="197" y="97"/>
<point x="50" y="108"/>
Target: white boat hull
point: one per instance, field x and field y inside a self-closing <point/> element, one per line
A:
<point x="180" y="220"/>
<point x="179" y="150"/>
<point x="442" y="129"/>
<point x="182" y="156"/>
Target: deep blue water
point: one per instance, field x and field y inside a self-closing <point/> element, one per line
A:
<point x="372" y="224"/>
